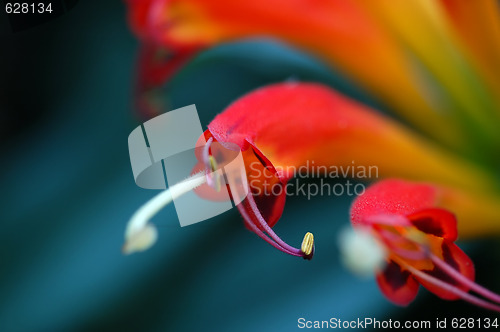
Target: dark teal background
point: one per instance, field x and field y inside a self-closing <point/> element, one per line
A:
<point x="67" y="192"/>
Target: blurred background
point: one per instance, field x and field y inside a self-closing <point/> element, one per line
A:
<point x="68" y="192"/>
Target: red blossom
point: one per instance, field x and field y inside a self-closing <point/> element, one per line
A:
<point x="418" y="236"/>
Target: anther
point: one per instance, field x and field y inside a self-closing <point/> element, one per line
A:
<point x="308" y="246"/>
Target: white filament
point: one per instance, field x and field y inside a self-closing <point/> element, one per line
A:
<point x="141" y="235"/>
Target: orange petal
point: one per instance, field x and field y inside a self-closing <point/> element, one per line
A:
<point x="422" y="26"/>
<point x="340" y="32"/>
<point x="478" y="214"/>
<point x="477" y="24"/>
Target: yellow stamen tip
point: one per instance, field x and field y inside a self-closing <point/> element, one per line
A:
<point x="308" y="244"/>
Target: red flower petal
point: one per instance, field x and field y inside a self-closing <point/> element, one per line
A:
<point x="434" y="221"/>
<point x="393" y="197"/>
<point x="270" y="197"/>
<point x="138" y="16"/>
<point x="457" y="259"/>
<point x="271" y="209"/>
<point x="157" y="65"/>
<point x="397" y="285"/>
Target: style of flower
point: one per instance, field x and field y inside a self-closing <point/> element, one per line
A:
<point x="417" y="235"/>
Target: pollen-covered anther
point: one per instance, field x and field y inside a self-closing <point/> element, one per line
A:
<point x="307" y="247"/>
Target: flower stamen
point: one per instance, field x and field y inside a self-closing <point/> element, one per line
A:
<point x="450" y="288"/>
<point x="464" y="281"/>
<point x="141" y="235"/>
<point x="260" y="233"/>
<point x="278" y="243"/>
